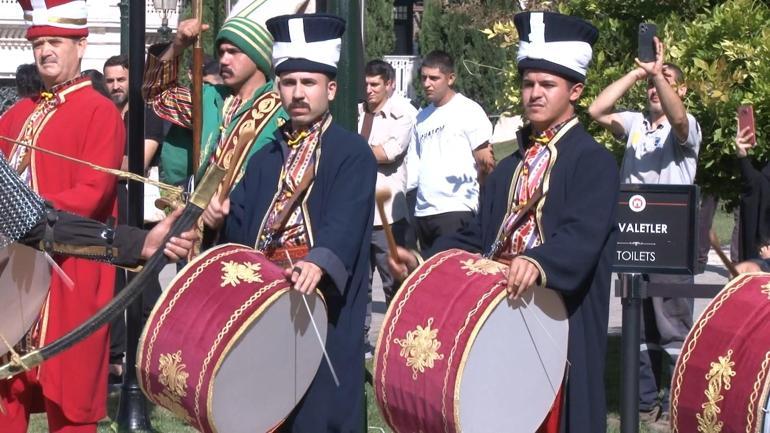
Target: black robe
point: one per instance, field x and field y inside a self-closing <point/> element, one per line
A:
<point x="579" y="227"/>
<point x="755" y="208"/>
<point x="339" y="208"/>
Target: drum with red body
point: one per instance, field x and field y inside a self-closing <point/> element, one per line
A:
<point x="454" y="354"/>
<point x="721" y="380"/>
<point x="229" y="347"/>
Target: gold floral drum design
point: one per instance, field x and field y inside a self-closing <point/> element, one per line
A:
<point x="720" y="384"/>
<point x="229" y="347"/>
<point x="454" y="354"/>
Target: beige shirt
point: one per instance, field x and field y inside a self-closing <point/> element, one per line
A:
<point x="392" y="128"/>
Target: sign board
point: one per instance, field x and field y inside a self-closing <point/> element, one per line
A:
<point x="657" y="229"/>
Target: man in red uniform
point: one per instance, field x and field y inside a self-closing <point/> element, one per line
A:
<point x="71" y="118"/>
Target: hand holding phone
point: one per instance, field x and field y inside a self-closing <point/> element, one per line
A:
<point x="646" y="49"/>
<point x="746" y="120"/>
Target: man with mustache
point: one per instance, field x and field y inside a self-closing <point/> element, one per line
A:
<point x="564" y="238"/>
<point x="244" y="102"/>
<point x="661" y="148"/>
<point x="69" y="117"/>
<point x="309" y="194"/>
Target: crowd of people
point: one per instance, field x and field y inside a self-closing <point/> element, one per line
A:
<point x="304" y="187"/>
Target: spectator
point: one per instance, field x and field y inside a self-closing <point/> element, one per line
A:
<point x="451" y="153"/>
<point x="755" y="198"/>
<point x="97" y="81"/>
<point x="28" y="82"/>
<point x="661" y="148"/>
<point x="388" y="129"/>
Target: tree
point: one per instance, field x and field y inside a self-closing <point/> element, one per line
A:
<point x="378" y="26"/>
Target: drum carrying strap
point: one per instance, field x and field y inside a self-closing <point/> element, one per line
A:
<point x="520" y="211"/>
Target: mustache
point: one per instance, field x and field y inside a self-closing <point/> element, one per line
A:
<point x="225" y="70"/>
<point x="294" y="105"/>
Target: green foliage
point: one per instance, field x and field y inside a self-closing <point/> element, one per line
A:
<point x="380" y="38"/>
<point x="479" y="62"/>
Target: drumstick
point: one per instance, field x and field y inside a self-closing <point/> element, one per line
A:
<point x="715" y="244"/>
<point x="381" y="197"/>
<point x="315" y="327"/>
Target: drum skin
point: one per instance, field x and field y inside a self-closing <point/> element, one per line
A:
<point x="451" y="320"/>
<point x="229" y="347"/>
<point x="720" y="383"/>
<point x="25" y="276"/>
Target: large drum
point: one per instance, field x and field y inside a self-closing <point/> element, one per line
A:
<point x="721" y="381"/>
<point x="455" y="355"/>
<point x="229" y="347"/>
<point x="25" y="276"/>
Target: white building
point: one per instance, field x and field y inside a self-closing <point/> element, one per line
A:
<point x="103" y="39"/>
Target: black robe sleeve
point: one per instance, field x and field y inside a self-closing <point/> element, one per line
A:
<point x="68" y="234"/>
<point x="755" y="208"/>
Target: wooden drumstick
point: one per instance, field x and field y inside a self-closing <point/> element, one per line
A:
<point x="715" y="244"/>
<point x="381" y="196"/>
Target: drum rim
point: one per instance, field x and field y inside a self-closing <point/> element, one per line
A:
<point x="398" y="298"/>
<point x="235" y="337"/>
<point x="140" y="354"/>
<point x="727" y="291"/>
<point x="472" y="338"/>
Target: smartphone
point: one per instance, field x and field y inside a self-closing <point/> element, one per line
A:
<point x="647" y="32"/>
<point x="746" y="119"/>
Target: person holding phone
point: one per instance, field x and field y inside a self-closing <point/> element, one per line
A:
<point x="755" y="190"/>
<point x="662" y="146"/>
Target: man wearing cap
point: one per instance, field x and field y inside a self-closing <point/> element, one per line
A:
<point x="69" y="117"/>
<point x="558" y="228"/>
<point x="309" y="195"/>
<point x="243" y="104"/>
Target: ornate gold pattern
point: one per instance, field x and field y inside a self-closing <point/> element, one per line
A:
<point x="420" y="348"/>
<point x="403" y="295"/>
<point x="691" y="342"/>
<point x="234" y="273"/>
<point x="752" y="410"/>
<point x="174" y="406"/>
<point x="482" y="266"/>
<point x="718" y="377"/>
<point x="766" y="290"/>
<point x="172" y="373"/>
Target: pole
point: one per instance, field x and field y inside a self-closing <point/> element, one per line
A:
<point x="350" y="69"/>
<point x="132" y="409"/>
<point x="633" y="292"/>
<point x="197" y="88"/>
<point x="123" y="5"/>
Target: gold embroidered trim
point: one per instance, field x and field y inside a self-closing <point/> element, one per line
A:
<point x="766" y="290"/>
<point x="420" y="348"/>
<point x="482" y="266"/>
<point x="692" y="340"/>
<point x="719" y="377"/>
<point x="173" y="377"/>
<point x="752" y="410"/>
<point x="234" y="273"/>
<point x="383" y="341"/>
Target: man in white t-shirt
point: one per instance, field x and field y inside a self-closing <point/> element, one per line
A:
<point x="449" y="155"/>
<point x="662" y="148"/>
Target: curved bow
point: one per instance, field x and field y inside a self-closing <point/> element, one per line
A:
<point x="198" y="202"/>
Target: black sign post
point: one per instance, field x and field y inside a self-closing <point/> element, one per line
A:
<point x="657" y="235"/>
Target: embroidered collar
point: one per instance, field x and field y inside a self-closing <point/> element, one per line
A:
<point x="295" y="138"/>
<point x="59" y="90"/>
<point x="546" y="136"/>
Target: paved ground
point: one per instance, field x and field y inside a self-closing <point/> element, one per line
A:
<point x="715" y="274"/>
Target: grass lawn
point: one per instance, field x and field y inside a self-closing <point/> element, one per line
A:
<point x="164" y="422"/>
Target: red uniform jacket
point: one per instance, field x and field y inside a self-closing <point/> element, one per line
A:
<point x="87" y="126"/>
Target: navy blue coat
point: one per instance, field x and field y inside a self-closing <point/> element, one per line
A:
<point x="579" y="227"/>
<point x="339" y="211"/>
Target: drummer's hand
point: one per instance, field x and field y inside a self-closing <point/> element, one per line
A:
<point x="522" y="276"/>
<point x="407" y="262"/>
<point x="747" y="266"/>
<point x="304" y="276"/>
<point x="215" y="213"/>
<point x="176" y="248"/>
